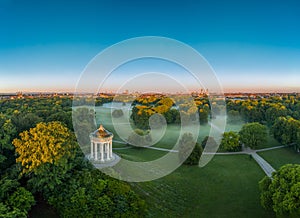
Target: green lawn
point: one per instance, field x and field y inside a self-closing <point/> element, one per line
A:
<point x="103" y="116"/>
<point x="236" y="127"/>
<point x="167" y="141"/>
<point x="226" y="187"/>
<point x="140" y="154"/>
<point x="280" y="157"/>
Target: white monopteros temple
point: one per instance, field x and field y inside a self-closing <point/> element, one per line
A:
<point x="101" y="146"/>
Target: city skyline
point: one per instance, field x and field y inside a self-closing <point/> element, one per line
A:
<point x="252" y="46"/>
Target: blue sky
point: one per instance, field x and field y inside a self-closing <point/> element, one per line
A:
<point x="252" y="45"/>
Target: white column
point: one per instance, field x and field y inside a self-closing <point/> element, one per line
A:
<point x="104" y="151"/>
<point x="96" y="151"/>
<point x="110" y="150"/>
<point x="92" y="152"/>
<point x="107" y="151"/>
<point x="101" y="151"/>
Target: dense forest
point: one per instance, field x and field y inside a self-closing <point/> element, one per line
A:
<point x="280" y="114"/>
<point x="40" y="157"/>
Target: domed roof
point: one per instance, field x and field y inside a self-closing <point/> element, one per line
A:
<point x="102" y="133"/>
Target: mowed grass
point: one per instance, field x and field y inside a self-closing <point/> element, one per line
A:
<point x="226" y="187"/>
<point x="103" y="116"/>
<point x="167" y="141"/>
<point x="280" y="157"/>
<point x="140" y="154"/>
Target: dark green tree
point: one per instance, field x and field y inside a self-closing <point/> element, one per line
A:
<point x="90" y="194"/>
<point x="84" y="124"/>
<point x="203" y="116"/>
<point x="285" y="130"/>
<point x="140" y="118"/>
<point x="139" y="138"/>
<point x="275" y="111"/>
<point x="172" y="116"/>
<point x="233" y="116"/>
<point x="7" y="133"/>
<point x="117" y="113"/>
<point x="63" y="117"/>
<point x="253" y="135"/>
<point x="25" y="121"/>
<point x="231" y="142"/>
<point x="15" y="201"/>
<point x="189" y="151"/>
<point x="208" y="141"/>
<point x="281" y="193"/>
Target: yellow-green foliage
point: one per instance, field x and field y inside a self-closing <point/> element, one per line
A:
<point x="192" y="110"/>
<point x="140" y="107"/>
<point x="146" y="100"/>
<point x="166" y="101"/>
<point x="161" y="109"/>
<point x="198" y="102"/>
<point x="46" y="143"/>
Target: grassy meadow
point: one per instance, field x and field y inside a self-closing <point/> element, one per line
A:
<point x="280" y="157"/>
<point x="226" y="187"/>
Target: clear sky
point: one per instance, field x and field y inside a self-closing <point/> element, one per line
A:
<point x="252" y="45"/>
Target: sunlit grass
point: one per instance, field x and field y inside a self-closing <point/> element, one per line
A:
<point x="226" y="187"/>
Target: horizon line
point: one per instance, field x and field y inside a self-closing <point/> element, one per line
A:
<point x="143" y="92"/>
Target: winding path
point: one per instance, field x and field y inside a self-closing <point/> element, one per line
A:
<point x="264" y="165"/>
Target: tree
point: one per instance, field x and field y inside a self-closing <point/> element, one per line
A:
<point x="233" y="116"/>
<point x="44" y="153"/>
<point x="253" y="135"/>
<point x="231" y="142"/>
<point x="210" y="141"/>
<point x="83" y="121"/>
<point x="140" y="118"/>
<point x="7" y="212"/>
<point x="297" y="146"/>
<point x="63" y="117"/>
<point x="25" y="121"/>
<point x="139" y="138"/>
<point x="275" y="111"/>
<point x="189" y="151"/>
<point x="280" y="130"/>
<point x="46" y="143"/>
<point x="89" y="194"/>
<point x="203" y="116"/>
<point x="285" y="130"/>
<point x="194" y="157"/>
<point x="21" y="199"/>
<point x="172" y="116"/>
<point x="117" y="113"/>
<point x="17" y="201"/>
<point x="157" y="121"/>
<point x="281" y="193"/>
<point x="7" y="133"/>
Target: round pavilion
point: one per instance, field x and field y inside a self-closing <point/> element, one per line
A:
<point x="101" y="145"/>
